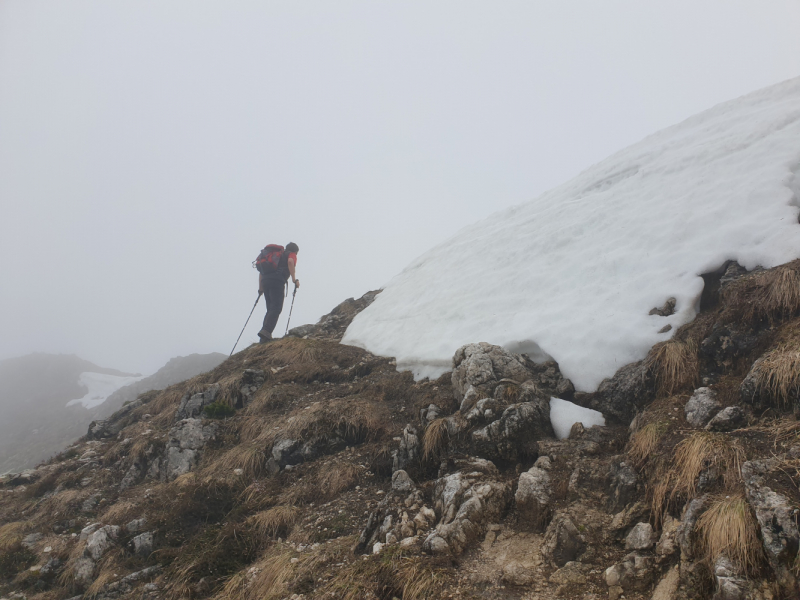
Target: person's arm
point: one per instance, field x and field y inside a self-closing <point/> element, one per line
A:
<point x="296" y="281"/>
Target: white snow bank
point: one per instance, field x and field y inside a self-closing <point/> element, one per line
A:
<point x="564" y="414"/>
<point x="100" y="388"/>
<point x="575" y="272"/>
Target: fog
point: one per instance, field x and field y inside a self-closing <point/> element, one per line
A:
<point x="149" y="149"/>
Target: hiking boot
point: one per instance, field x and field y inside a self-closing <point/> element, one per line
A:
<point x="264" y="337"/>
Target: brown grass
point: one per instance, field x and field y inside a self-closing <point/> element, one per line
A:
<point x="510" y="393"/>
<point x="119" y="513"/>
<point x="728" y="527"/>
<point x="700" y="451"/>
<point x="435" y="439"/>
<point x="266" y="580"/>
<point x="645" y="440"/>
<point x="251" y="458"/>
<point x="12" y="533"/>
<point x="674" y="365"/>
<point x="328" y="482"/>
<point x="778" y="375"/>
<point x="276" y="521"/>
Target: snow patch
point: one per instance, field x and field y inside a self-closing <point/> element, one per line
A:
<point x="100" y="387"/>
<point x="574" y="273"/>
<point x="564" y="414"/>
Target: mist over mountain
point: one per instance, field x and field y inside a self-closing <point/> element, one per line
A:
<point x="48" y="400"/>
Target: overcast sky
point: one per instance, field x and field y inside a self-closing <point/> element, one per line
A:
<point x="149" y="149"/>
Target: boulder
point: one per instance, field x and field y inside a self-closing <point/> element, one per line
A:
<point x="186" y="439"/>
<point x="776" y="518"/>
<point x="562" y="541"/>
<point x="727" y="419"/>
<point x="626" y="393"/>
<point x="100" y="541"/>
<point x="701" y="407"/>
<point x="569" y="579"/>
<point x="514" y="435"/>
<point x="724" y="345"/>
<point x="533" y="497"/>
<point x="641" y="537"/>
<point x="143" y="543"/>
<point x="401" y="482"/>
<point x="466" y="502"/>
<point x="482" y="366"/>
<point x="83" y="572"/>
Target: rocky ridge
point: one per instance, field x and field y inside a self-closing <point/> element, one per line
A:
<point x="332" y="475"/>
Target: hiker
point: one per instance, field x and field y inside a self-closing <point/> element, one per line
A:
<point x="275" y="265"/>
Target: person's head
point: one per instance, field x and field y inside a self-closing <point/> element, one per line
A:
<point x="292" y="247"/>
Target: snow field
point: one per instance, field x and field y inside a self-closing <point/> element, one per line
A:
<point x="573" y="274"/>
<point x="100" y="387"/>
<point x="564" y="414"/>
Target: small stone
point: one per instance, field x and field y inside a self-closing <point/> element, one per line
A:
<point x="727" y="419"/>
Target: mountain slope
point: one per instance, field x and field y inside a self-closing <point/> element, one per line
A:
<point x="47" y="401"/>
<point x="34" y="392"/>
<point x="574" y="274"/>
<point x="333" y="475"/>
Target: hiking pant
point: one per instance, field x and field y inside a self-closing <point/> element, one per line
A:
<point x="273" y="296"/>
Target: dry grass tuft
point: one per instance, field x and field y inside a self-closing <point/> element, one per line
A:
<point x="250" y="458"/>
<point x="276" y="521"/>
<point x="422" y="582"/>
<point x="12" y="533"/>
<point x="778" y="375"/>
<point x="772" y="295"/>
<point x="118" y="514"/>
<point x="268" y="579"/>
<point x="701" y="451"/>
<point x="675" y="366"/>
<point x="728" y="527"/>
<point x="337" y="478"/>
<point x="435" y="439"/>
<point x="644" y="441"/>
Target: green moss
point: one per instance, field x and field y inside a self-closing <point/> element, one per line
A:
<point x="218" y="410"/>
<point x="15" y="559"/>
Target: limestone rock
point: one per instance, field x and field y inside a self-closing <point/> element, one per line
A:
<point x="727" y="419"/>
<point x="685" y="534"/>
<point x="701" y="407"/>
<point x="626" y="393"/>
<point x="143" y="543"/>
<point x="100" y="541"/>
<point x="514" y="435"/>
<point x="624" y="482"/>
<point x="83" y="572"/>
<point x="635" y="573"/>
<point x="776" y="518"/>
<point x="569" y="578"/>
<point x="533" y="497"/>
<point x="562" y="541"/>
<point x="186" y="439"/>
<point x="401" y="482"/>
<point x="667" y="544"/>
<point x="466" y="502"/>
<point x="641" y="537"/>
<point x="136" y="525"/>
<point x="409" y="450"/>
<point x="482" y="365"/>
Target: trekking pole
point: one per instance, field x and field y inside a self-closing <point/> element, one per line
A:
<point x="246" y="322"/>
<point x="290" y="311"/>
